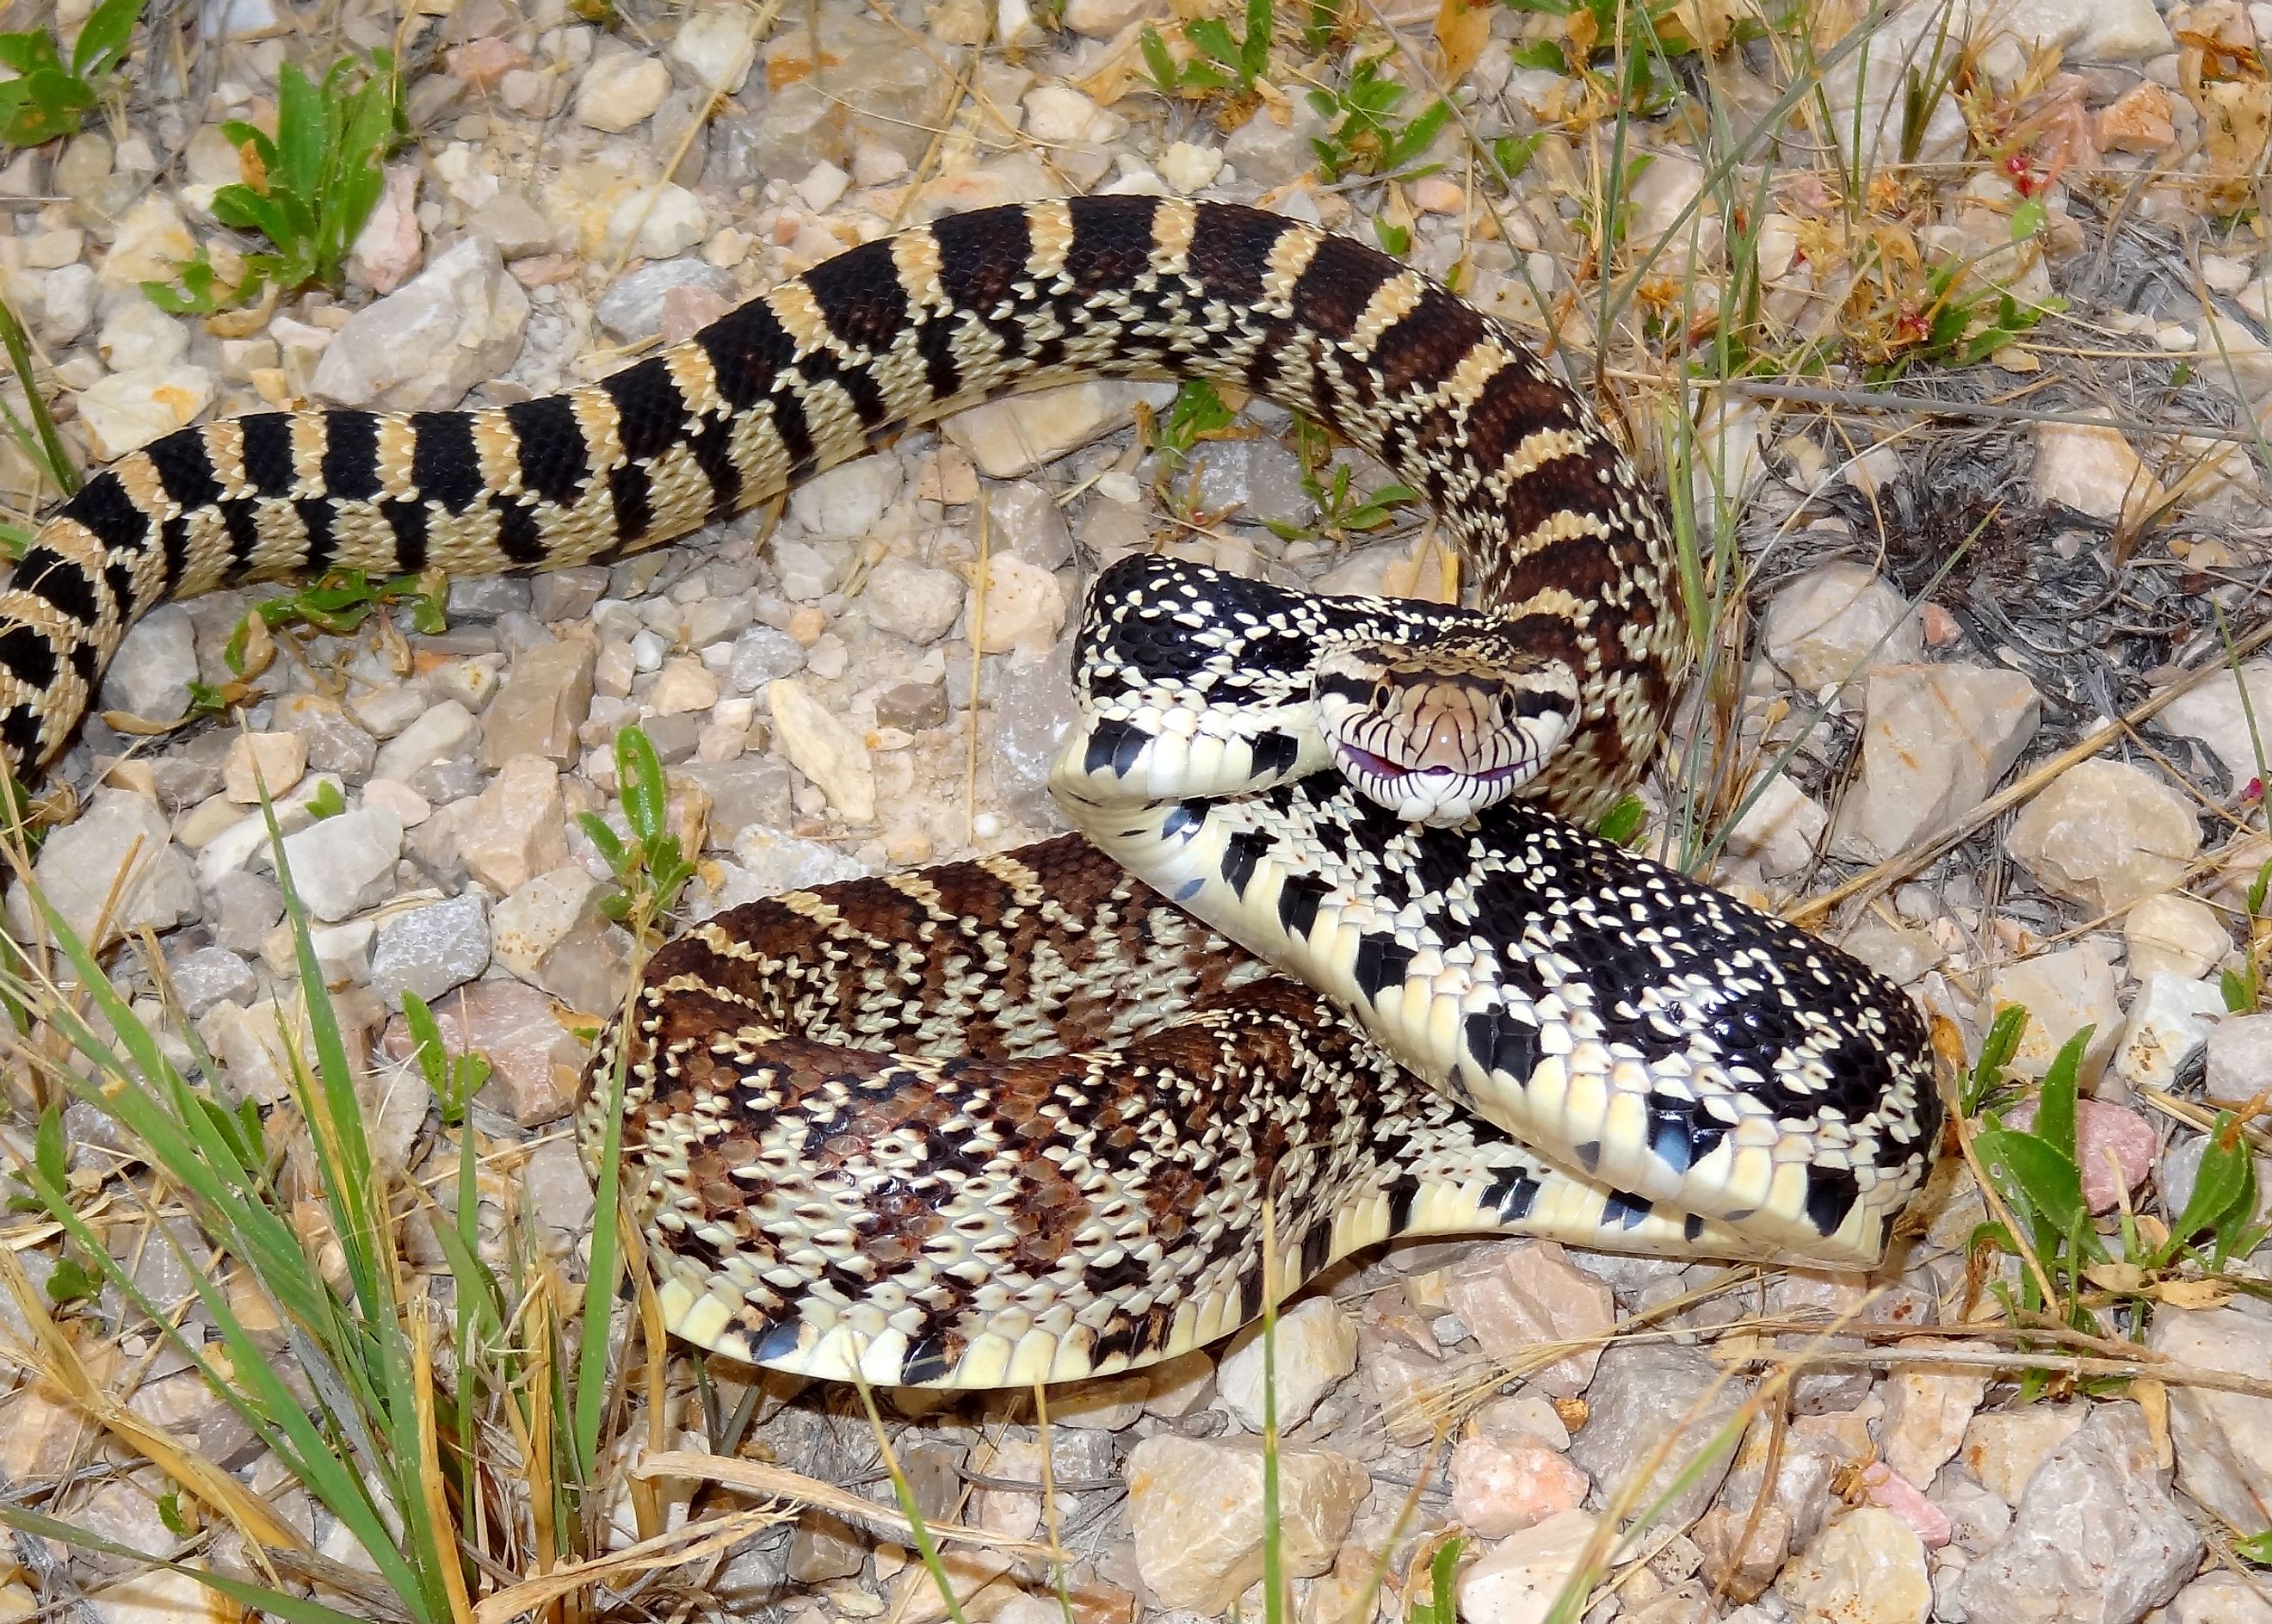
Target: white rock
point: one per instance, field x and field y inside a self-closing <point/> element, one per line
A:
<point x="151" y="674"/>
<point x="918" y="601"/>
<point x="1314" y="1348"/>
<point x="139" y="335"/>
<point x="1015" y="26"/>
<point x="536" y="918"/>
<point x="127" y="410"/>
<point x="2095" y="1536"/>
<point x="2240" y="1058"/>
<point x="273" y="761"/>
<point x="1190" y="168"/>
<point x="825" y="750"/>
<point x="80" y="866"/>
<point x="683" y="685"/>
<point x="1519" y="1581"/>
<point x="2104" y="31"/>
<point x="67" y="303"/>
<point x="153" y="241"/>
<point x="2003" y="1447"/>
<point x="1015" y="435"/>
<point x="1195" y="1515"/>
<point x="1833" y="622"/>
<point x="848" y="500"/>
<point x="1935" y="740"/>
<point x="2105" y="833"/>
<point x="456" y="324"/>
<point x="621" y="86"/>
<point x="1057" y="113"/>
<point x="2169" y="1018"/>
<point x="2061" y="993"/>
<point x="1782" y="830"/>
<point x="344" y="865"/>
<point x="442" y="732"/>
<point x="822" y="186"/>
<point x="2172" y="935"/>
<point x="1101" y="20"/>
<point x="431" y="949"/>
<point x="516" y="828"/>
<point x="717" y="44"/>
<point x="2214" y="713"/>
<point x="1024" y="606"/>
<point x="1502" y="1486"/>
<point x="2223" y="1441"/>
<point x="659" y="223"/>
<point x="2091" y="468"/>
<point x="2221" y="1599"/>
<point x="1866" y="1568"/>
<point x="1927" y="1409"/>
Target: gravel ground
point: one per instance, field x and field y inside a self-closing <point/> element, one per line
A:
<point x="1964" y="385"/>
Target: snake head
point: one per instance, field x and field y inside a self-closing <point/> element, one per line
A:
<point x="1436" y="734"/>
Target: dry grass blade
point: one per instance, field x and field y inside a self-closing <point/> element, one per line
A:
<point x="55" y="1360"/>
<point x="674" y="1549"/>
<point x="755" y="1478"/>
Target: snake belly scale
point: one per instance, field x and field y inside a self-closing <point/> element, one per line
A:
<point x="1020" y="1118"/>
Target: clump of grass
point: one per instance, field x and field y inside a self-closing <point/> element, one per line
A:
<point x="310" y="189"/>
<point x="1367" y="135"/>
<point x="442" y="1473"/>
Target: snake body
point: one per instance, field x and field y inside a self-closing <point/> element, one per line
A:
<point x="1332" y="944"/>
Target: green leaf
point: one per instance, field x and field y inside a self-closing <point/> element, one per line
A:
<point x="42" y="105"/>
<point x="1255" y="50"/>
<point x="1625" y="821"/>
<point x="48" y="1154"/>
<point x="2226" y="1180"/>
<point x="2028" y="219"/>
<point x="639" y="780"/>
<point x="72" y="1282"/>
<point x="2256" y="1548"/>
<point x="610" y="847"/>
<point x="2034" y="1175"/>
<point x="426" y="1042"/>
<point x="1395" y="241"/>
<point x="1513" y="153"/>
<point x="2054" y="1122"/>
<point x="30" y="52"/>
<point x="2258" y="887"/>
<point x="2239" y="990"/>
<point x="1211" y="35"/>
<point x="1413" y="139"/>
<point x="1162" y="66"/>
<point x="103" y="40"/>
<point x="1540" y="57"/>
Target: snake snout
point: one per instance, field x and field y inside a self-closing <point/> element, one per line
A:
<point x="1435" y="736"/>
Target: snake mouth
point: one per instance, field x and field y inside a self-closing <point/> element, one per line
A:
<point x="1357" y="761"/>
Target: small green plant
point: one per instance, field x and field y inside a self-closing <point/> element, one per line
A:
<point x="1366" y="138"/>
<point x="327" y="802"/>
<point x="1196" y="413"/>
<point x="2073" y="1270"/>
<point x="1951" y="329"/>
<point x="1224" y="63"/>
<point x="315" y="185"/>
<point x="1512" y="155"/>
<point x="340" y="604"/>
<point x="651" y="867"/>
<point x="1343" y="510"/>
<point x="51" y="96"/>
<point x="1624" y="823"/>
<point x="2257" y="1548"/>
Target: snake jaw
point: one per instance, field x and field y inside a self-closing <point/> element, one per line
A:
<point x="1435" y="734"/>
<point x="1448" y="795"/>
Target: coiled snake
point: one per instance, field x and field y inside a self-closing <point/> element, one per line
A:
<point x="1017" y="1120"/>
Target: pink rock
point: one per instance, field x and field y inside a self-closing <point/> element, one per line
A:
<point x="1884" y="1487"/>
<point x="480" y="63"/>
<point x="1500" y="1488"/>
<point x="1514" y="1297"/>
<point x="2100" y="1128"/>
<point x="389" y="249"/>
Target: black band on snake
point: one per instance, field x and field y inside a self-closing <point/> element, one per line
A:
<point x="1018" y="1120"/>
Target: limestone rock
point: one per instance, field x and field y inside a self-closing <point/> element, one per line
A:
<point x="1195" y="1508"/>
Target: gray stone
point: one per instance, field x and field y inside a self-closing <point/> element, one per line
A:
<point x="845" y="502"/>
<point x="211" y="975"/>
<point x="440" y="782"/>
<point x="190" y="772"/>
<point x="1033" y="710"/>
<point x="344" y="865"/>
<point x="151" y="674"/>
<point x="1028" y="521"/>
<point x="429" y="950"/>
<point x="543" y="702"/>
<point x="1258" y="477"/>
<point x="566" y="595"/>
<point x="761" y="655"/>
<point x="80" y="864"/>
<point x="336" y="743"/>
<point x="1265" y="151"/>
<point x="714" y="620"/>
<point x="631" y="309"/>
<point x="534" y="1059"/>
<point x="485" y="597"/>
<point x="2096" y="1539"/>
<point x="749" y="791"/>
<point x="913" y="706"/>
<point x="243" y="907"/>
<point x="1640" y="1394"/>
<point x="453" y="325"/>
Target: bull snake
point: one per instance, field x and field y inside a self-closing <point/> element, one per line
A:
<point x="1332" y="935"/>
